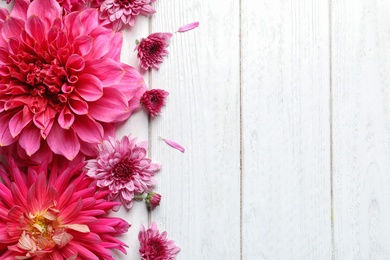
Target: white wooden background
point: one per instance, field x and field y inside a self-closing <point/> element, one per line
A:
<point x="284" y="109"/>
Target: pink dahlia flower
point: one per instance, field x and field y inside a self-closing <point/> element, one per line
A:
<point x="122" y="168"/>
<point x="121" y="12"/>
<point x="61" y="81"/>
<point x="55" y="214"/>
<point x="155" y="245"/>
<point x="152" y="49"/>
<point x="153" y="100"/>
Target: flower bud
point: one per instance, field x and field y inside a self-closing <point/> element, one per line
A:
<point x="153" y="199"/>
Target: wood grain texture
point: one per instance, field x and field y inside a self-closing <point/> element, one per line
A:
<point x="201" y="187"/>
<point x="286" y="200"/>
<point x="136" y="126"/>
<point x="361" y="108"/>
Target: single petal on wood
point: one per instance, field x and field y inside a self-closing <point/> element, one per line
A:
<point x="174" y="144"/>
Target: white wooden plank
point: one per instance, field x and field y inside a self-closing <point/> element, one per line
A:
<point x="286" y="198"/>
<point x="200" y="188"/>
<point x="137" y="126"/>
<point x="361" y="94"/>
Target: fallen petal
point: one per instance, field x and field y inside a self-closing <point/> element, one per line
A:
<point x="174" y="144"/>
<point x="188" y="27"/>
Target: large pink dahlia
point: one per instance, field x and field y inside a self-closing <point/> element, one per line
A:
<point x="123" y="169"/>
<point x="55" y="214"/>
<point x="61" y="81"/>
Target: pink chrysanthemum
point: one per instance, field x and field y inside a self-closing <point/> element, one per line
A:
<point x="153" y="100"/>
<point x="122" y="168"/>
<point x="155" y="245"/>
<point x="55" y="214"/>
<point x="121" y="12"/>
<point x="61" y="80"/>
<point x="152" y="49"/>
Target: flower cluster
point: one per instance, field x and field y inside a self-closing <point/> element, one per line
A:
<point x="63" y="91"/>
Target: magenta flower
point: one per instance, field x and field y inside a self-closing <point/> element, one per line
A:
<point x="121" y="12"/>
<point x="153" y="199"/>
<point x="122" y="168"/>
<point x="153" y="100"/>
<point x="155" y="245"/>
<point x="152" y="49"/>
<point x="55" y="213"/>
<point x="61" y="81"/>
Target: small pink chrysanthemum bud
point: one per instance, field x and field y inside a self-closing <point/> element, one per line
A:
<point x="153" y="199"/>
<point x="153" y="100"/>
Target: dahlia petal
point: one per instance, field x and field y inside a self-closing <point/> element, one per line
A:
<point x="19" y="121"/>
<point x="75" y="63"/>
<point x="112" y="107"/>
<point x="89" y="87"/>
<point x="35" y="27"/>
<point x="40" y="188"/>
<point x="108" y="71"/>
<point x="26" y="243"/>
<point x="83" y="45"/>
<point x="88" y="129"/>
<point x="131" y="83"/>
<point x="45" y="118"/>
<point x="82" y="251"/>
<point x="5" y="134"/>
<point x="20" y="9"/>
<point x="58" y="137"/>
<point x="62" y="239"/>
<point x="106" y="44"/>
<point x="51" y="11"/>
<point x="78" y="227"/>
<point x="30" y="139"/>
<point x="12" y="27"/>
<point x="65" y="118"/>
<point x="78" y="106"/>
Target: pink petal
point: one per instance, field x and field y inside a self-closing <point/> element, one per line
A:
<point x="131" y="83"/>
<point x="20" y="9"/>
<point x="188" y="27"/>
<point x="30" y="139"/>
<point x="78" y="106"/>
<point x="111" y="107"/>
<point x="19" y="121"/>
<point x="5" y="134"/>
<point x="108" y="71"/>
<point x="51" y="11"/>
<point x="174" y="144"/>
<point x="35" y="27"/>
<point x="65" y="118"/>
<point x="12" y="27"/>
<point x="83" y="45"/>
<point x="89" y="87"/>
<point x="62" y="239"/>
<point x="44" y="119"/>
<point x="75" y="63"/>
<point x="58" y="137"/>
<point x="88" y="129"/>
